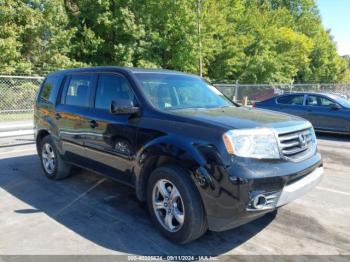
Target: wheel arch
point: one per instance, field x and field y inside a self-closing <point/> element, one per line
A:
<point x="165" y="153"/>
<point x="39" y="137"/>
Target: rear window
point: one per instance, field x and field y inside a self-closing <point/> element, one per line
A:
<point x="291" y="100"/>
<point x="50" y="88"/>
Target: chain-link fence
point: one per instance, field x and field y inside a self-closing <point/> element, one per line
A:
<point x="248" y="94"/>
<point x="17" y="94"/>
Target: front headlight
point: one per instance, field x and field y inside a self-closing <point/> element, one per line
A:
<point x="258" y="143"/>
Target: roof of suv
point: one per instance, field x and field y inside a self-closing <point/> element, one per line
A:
<point x="112" y="68"/>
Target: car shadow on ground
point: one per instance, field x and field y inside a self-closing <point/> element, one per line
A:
<point x="104" y="212"/>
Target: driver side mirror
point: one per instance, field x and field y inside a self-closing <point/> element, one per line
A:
<point x="123" y="107"/>
<point x="334" y="106"/>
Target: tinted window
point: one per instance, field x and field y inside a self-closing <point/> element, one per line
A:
<point x="112" y="87"/>
<point x="318" y="101"/>
<point x="78" y="91"/>
<point x="312" y="101"/>
<point x="50" y="88"/>
<point x="291" y="100"/>
<point x="325" y="101"/>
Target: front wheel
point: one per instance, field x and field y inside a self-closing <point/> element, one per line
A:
<point x="175" y="205"/>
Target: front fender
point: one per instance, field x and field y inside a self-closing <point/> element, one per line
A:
<point x="172" y="146"/>
<point x="172" y="150"/>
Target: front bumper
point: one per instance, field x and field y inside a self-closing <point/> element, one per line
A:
<point x="300" y="187"/>
<point x="228" y="202"/>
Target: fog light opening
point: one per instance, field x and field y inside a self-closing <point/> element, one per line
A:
<point x="259" y="201"/>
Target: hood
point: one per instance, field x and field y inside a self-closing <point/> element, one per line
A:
<point x="241" y="117"/>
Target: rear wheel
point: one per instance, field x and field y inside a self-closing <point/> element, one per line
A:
<point x="175" y="204"/>
<point x="53" y="165"/>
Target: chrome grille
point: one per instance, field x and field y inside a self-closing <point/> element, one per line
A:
<point x="297" y="145"/>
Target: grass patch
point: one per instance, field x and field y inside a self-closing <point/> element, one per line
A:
<point x="16" y="117"/>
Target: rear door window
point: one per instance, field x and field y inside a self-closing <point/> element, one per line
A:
<point x="78" y="90"/>
<point x="312" y="101"/>
<point x="291" y="100"/>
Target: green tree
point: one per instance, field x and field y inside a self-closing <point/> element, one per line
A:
<point x="263" y="47"/>
<point x="106" y="32"/>
<point x="345" y="78"/>
<point x="34" y="36"/>
<point x="325" y="64"/>
<point x="255" y="41"/>
<point x="170" y="34"/>
<point x="10" y="41"/>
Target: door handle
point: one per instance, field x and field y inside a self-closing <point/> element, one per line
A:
<point x="58" y="116"/>
<point x="93" y="124"/>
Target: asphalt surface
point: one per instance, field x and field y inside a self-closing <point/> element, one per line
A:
<point x="88" y="214"/>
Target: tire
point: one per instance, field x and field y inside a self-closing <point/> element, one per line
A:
<point x="48" y="151"/>
<point x="183" y="203"/>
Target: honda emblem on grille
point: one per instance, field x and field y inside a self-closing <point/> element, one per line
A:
<point x="302" y="140"/>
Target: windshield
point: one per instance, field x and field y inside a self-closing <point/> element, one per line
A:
<point x="343" y="102"/>
<point x="170" y="91"/>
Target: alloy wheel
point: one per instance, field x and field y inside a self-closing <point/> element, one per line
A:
<point x="48" y="158"/>
<point x="168" y="205"/>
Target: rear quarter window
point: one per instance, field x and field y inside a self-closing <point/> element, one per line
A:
<point x="50" y="89"/>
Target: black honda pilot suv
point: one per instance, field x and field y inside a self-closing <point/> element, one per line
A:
<point x="199" y="160"/>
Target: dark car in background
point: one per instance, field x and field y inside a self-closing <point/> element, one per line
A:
<point x="199" y="160"/>
<point x="326" y="112"/>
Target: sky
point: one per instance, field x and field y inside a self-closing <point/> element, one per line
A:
<point x="336" y="16"/>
